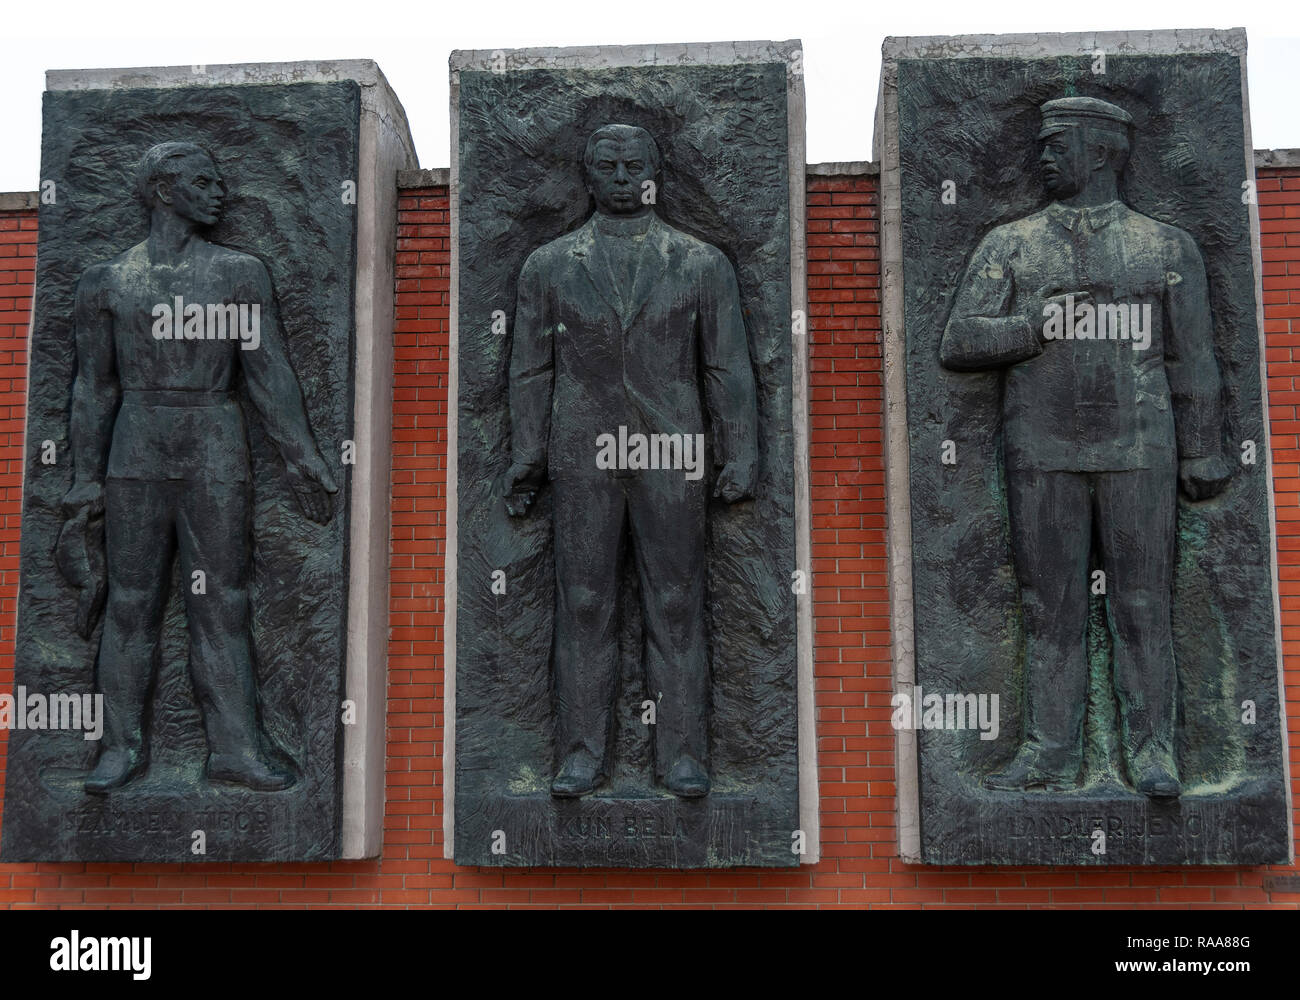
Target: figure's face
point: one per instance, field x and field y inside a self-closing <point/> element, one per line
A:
<point x="1064" y="162"/>
<point x="197" y="192"/>
<point x="618" y="172"/>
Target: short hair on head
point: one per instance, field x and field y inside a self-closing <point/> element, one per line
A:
<point x="621" y="133"/>
<point x="162" y="162"/>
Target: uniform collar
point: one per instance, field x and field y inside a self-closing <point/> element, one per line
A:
<point x="1092" y="219"/>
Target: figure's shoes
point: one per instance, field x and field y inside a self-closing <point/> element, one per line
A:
<point x="687" y="778"/>
<point x="1026" y="771"/>
<point x="1159" y="782"/>
<point x="576" y="776"/>
<point x="114" y="769"/>
<point x="249" y="771"/>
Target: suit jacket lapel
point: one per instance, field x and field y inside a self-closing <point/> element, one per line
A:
<point x="596" y="267"/>
<point x="656" y="254"/>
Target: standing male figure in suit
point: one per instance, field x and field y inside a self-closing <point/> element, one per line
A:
<point x="625" y="323"/>
<point x="1100" y="317"/>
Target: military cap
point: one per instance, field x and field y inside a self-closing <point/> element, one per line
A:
<point x="1070" y="112"/>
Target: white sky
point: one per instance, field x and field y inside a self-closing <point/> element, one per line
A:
<point x="411" y="42"/>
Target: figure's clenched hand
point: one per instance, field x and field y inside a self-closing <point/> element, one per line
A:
<point x="1054" y="295"/>
<point x="1203" y="478"/>
<point x="519" y="486"/>
<point x="88" y="495"/>
<point x="735" y="482"/>
<point x="312" y="485"/>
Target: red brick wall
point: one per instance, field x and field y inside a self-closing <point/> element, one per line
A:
<point x="18" y="883"/>
<point x="855" y="743"/>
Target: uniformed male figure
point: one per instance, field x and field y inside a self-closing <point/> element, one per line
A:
<point x="160" y="450"/>
<point x="1101" y="319"/>
<point x="626" y="323"/>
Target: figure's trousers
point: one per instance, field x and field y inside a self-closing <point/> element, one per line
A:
<point x="147" y="524"/>
<point x="1054" y="519"/>
<point x="664" y="515"/>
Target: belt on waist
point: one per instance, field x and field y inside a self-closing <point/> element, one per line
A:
<point x="176" y="397"/>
